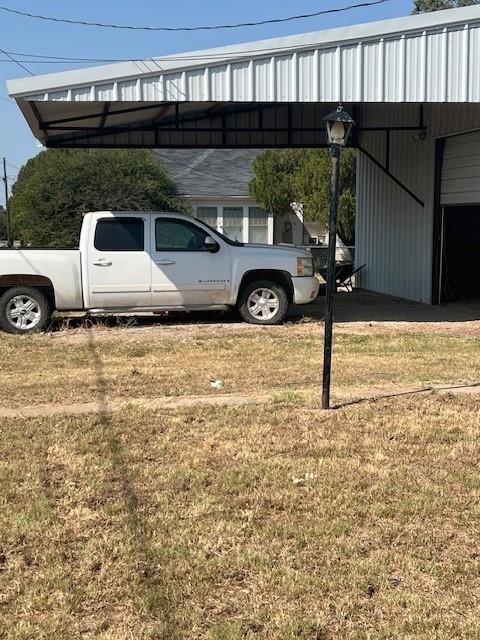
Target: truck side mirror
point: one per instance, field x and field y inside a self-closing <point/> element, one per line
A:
<point x="211" y="245"/>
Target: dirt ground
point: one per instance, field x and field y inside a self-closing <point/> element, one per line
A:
<point x="360" y="312"/>
<point x="366" y="310"/>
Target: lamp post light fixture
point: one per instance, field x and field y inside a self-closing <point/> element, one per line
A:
<point x="339" y="125"/>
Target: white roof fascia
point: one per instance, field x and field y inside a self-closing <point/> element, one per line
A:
<point x="244" y="51"/>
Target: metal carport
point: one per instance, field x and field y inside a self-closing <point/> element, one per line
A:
<point x="409" y="83"/>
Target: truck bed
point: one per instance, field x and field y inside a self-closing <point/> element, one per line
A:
<point x="61" y="267"/>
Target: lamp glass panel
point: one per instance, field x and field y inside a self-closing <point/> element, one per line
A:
<point x="337" y="133"/>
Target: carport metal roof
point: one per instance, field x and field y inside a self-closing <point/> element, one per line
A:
<point x="262" y="94"/>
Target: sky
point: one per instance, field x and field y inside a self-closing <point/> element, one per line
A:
<point x="21" y="34"/>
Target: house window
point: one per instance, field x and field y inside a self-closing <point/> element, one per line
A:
<point x="257" y="225"/>
<point x="208" y="215"/>
<point x="233" y="223"/>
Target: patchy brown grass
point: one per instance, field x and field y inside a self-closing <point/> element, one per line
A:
<point x="269" y="521"/>
<point x="272" y="521"/>
<point x="75" y="366"/>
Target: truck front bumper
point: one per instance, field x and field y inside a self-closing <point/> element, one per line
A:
<point x="305" y="289"/>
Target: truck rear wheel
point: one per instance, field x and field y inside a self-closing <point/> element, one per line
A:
<point x="24" y="310"/>
<point x="263" y="302"/>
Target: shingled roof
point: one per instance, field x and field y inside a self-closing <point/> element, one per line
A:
<point x="215" y="173"/>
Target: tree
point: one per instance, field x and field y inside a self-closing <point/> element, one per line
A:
<point x="313" y="185"/>
<point x="283" y="177"/>
<point x="273" y="184"/>
<point x="56" y="187"/>
<point x="424" y="6"/>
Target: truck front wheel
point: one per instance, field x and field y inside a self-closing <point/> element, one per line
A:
<point x="263" y="302"/>
<point x="24" y="310"/>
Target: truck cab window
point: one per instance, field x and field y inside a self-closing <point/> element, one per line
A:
<point x="119" y="234"/>
<point x="178" y="235"/>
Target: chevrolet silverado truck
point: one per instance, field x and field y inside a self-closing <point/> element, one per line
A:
<point x="133" y="261"/>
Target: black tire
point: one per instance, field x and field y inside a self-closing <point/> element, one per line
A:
<point x="271" y="316"/>
<point x="35" y="319"/>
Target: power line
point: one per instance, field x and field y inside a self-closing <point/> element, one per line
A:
<point x="17" y="62"/>
<point x="85" y="23"/>
<point x="61" y="62"/>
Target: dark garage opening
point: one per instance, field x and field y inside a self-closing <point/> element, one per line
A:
<point x="461" y="253"/>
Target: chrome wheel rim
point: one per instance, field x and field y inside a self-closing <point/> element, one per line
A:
<point x="263" y="304"/>
<point x="23" y="312"/>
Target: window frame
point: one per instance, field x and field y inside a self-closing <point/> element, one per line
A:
<point x="181" y="221"/>
<point x="252" y="227"/>
<point x="207" y="206"/>
<point x="118" y="220"/>
<point x="240" y="209"/>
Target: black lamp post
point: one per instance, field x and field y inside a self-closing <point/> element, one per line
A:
<point x="339" y="124"/>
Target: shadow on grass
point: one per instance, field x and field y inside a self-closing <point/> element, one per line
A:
<point x="155" y="598"/>
<point x="413" y="392"/>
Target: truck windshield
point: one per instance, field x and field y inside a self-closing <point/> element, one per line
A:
<point x="233" y="243"/>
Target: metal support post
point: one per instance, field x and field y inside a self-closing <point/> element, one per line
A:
<point x="331" y="283"/>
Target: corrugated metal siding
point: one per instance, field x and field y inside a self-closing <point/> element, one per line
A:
<point x="394" y="232"/>
<point x="445" y="119"/>
<point x="81" y="94"/>
<point x="430" y="65"/>
<point x="127" y="90"/>
<point x="461" y="170"/>
<point x="242" y="85"/>
<point x="104" y="92"/>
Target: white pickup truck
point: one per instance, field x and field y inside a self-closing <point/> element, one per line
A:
<point x="134" y="261"/>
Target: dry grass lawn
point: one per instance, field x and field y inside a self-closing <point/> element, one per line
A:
<point x="272" y="522"/>
<point x="75" y="366"/>
<point x="269" y="521"/>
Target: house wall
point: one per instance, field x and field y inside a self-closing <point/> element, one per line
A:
<point x="277" y="229"/>
<point x="244" y="203"/>
<point x="290" y="225"/>
<point x="394" y="233"/>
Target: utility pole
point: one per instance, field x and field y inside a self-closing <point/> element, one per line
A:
<point x="7" y="211"/>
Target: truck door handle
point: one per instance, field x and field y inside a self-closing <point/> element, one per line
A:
<point x="164" y="262"/>
<point x="102" y="262"/>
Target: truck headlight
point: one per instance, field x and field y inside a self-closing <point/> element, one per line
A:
<point x="304" y="266"/>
